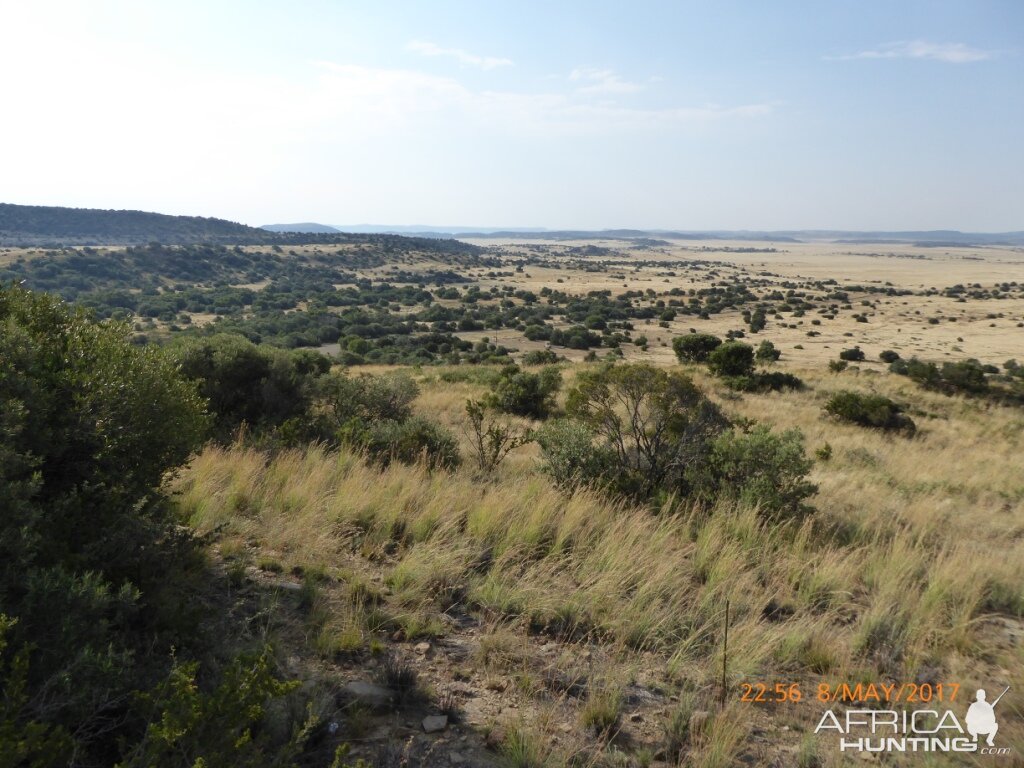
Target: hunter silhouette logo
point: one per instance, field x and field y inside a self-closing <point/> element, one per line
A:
<point x="981" y="717"/>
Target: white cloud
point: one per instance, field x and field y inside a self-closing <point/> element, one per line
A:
<point x="950" y="53"/>
<point x="399" y="100"/>
<point x="602" y="81"/>
<point x="463" y="57"/>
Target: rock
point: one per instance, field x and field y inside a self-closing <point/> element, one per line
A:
<point x="495" y="737"/>
<point x="421" y="648"/>
<point x="435" y="723"/>
<point x="635" y="717"/>
<point x="455" y="758"/>
<point x="374" y="696"/>
<point x="287" y="586"/>
<point x="565" y="727"/>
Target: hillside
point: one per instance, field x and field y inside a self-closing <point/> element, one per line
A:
<point x="52" y="225"/>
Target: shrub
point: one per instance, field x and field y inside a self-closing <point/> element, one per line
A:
<point x="367" y="398"/>
<point x="767" y="353"/>
<point x="540" y="357"/>
<point x="774" y="381"/>
<point x="837" y="366"/>
<point x="569" y="454"/>
<point x="695" y="348"/>
<point x="733" y="358"/>
<point x="873" y="411"/>
<point x="655" y="424"/>
<point x="888" y="356"/>
<point x="526" y="394"/>
<point x="854" y="355"/>
<point x="490" y="440"/>
<point x="259" y="386"/>
<point x="964" y="376"/>
<point x="411" y="441"/>
<point x="759" y="467"/>
<point x="89" y="425"/>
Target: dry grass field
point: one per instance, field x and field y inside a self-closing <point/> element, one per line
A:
<point x="910" y="571"/>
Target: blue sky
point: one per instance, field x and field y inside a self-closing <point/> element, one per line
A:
<point x="690" y="115"/>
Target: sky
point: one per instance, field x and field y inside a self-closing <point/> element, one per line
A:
<point x="833" y="114"/>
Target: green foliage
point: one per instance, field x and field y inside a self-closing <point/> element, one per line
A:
<point x="759" y="467"/>
<point x="540" y="357"/>
<point x="367" y="398"/>
<point x="695" y="348"/>
<point x="89" y="426"/>
<point x="526" y="394"/>
<point x="655" y="424"/>
<point x="767" y="353"/>
<point x="775" y="381"/>
<point x="23" y="741"/>
<point x="888" y="356"/>
<point x="733" y="358"/>
<point x="853" y="355"/>
<point x="189" y="728"/>
<point x="261" y="387"/>
<point x="411" y="441"/>
<point x="874" y="411"/>
<point x="570" y="456"/>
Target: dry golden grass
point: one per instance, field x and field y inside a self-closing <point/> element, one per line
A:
<point x="917" y="544"/>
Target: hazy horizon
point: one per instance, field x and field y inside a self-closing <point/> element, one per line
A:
<point x="691" y="117"/>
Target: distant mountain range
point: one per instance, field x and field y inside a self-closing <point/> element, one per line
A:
<point x="306" y="226"/>
<point x="34" y="225"/>
<point x="938" y="237"/>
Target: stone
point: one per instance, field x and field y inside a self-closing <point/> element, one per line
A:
<point x="435" y="723"/>
<point x="421" y="648"/>
<point x="635" y="717"/>
<point x="455" y="758"/>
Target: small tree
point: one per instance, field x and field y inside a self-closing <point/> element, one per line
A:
<point x="491" y="441"/>
<point x="734" y="358"/>
<point x="695" y="348"/>
<point x="655" y="423"/>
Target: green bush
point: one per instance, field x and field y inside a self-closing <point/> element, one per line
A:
<point x="655" y="424"/>
<point x="853" y="355"/>
<point x="570" y="456"/>
<point x="767" y="353"/>
<point x="696" y="347"/>
<point x="759" y="467"/>
<point x="733" y="358"/>
<point x="259" y="386"/>
<point x="888" y="356"/>
<point x="411" y="441"/>
<point x="526" y="394"/>
<point x="540" y="357"/>
<point x="366" y="398"/>
<point x="775" y="381"/>
<point x="89" y="549"/>
<point x="873" y="411"/>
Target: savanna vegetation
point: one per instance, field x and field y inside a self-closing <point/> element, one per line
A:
<point x="363" y="501"/>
